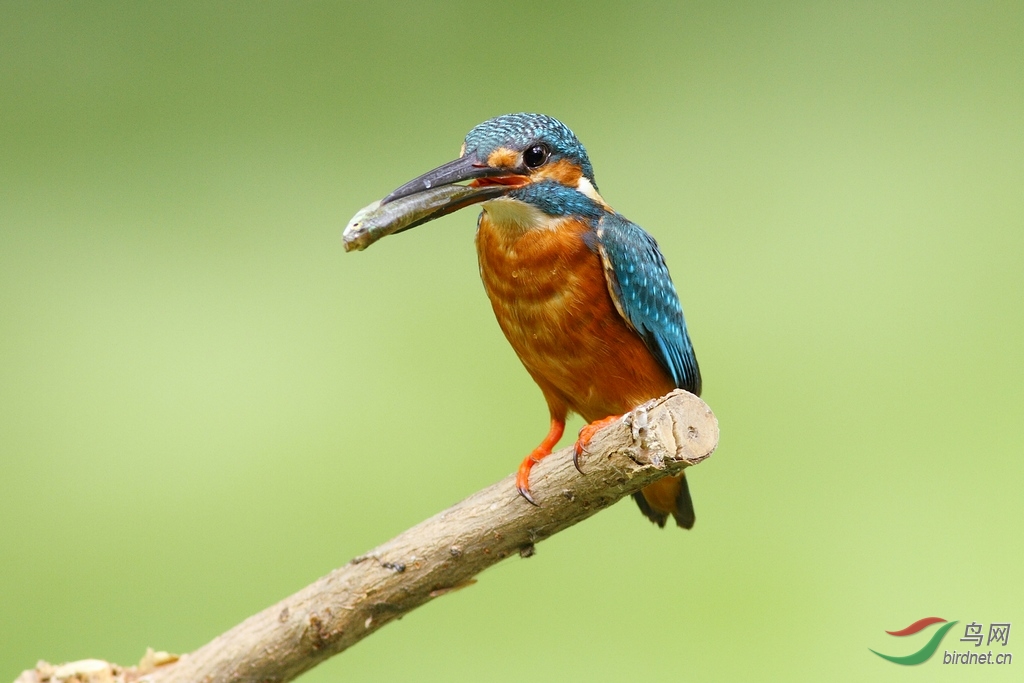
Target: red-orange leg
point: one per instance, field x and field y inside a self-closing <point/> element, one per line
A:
<point x="586" y="434"/>
<point x="540" y="452"/>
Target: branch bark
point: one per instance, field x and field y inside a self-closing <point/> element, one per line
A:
<point x="439" y="555"/>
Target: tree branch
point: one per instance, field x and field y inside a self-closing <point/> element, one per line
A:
<point x="439" y="555"/>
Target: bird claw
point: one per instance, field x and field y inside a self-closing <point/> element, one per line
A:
<point x="586" y="435"/>
<point x="578" y="450"/>
<point x="525" y="493"/>
<point x="540" y="452"/>
<point x="523" y="478"/>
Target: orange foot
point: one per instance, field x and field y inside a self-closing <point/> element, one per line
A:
<point x="586" y="435"/>
<point x="540" y="452"/>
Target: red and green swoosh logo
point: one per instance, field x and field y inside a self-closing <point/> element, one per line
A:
<point x="929" y="648"/>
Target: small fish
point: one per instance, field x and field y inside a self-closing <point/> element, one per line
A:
<point x="375" y="221"/>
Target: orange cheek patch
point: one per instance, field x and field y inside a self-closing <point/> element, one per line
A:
<point x="562" y="170"/>
<point x="503" y="157"/>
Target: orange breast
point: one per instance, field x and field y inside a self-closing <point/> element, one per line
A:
<point x="550" y="297"/>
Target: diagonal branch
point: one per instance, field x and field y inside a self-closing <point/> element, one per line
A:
<point x="441" y="554"/>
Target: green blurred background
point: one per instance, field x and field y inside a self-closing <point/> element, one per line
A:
<point x="205" y="404"/>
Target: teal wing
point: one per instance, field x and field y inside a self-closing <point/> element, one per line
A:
<point x="644" y="295"/>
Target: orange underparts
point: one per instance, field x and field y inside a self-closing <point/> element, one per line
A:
<point x="586" y="435"/>
<point x="540" y="452"/>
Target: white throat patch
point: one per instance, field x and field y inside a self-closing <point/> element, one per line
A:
<point x="513" y="215"/>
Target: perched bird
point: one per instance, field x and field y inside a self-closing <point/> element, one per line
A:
<point x="581" y="293"/>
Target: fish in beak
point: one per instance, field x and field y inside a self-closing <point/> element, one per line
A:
<point x="432" y="195"/>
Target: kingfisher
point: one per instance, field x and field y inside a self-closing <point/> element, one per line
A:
<point x="582" y="294"/>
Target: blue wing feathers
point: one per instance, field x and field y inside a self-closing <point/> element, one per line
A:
<point x="643" y="292"/>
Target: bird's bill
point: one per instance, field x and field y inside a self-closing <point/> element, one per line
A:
<point x="466" y="167"/>
<point x="430" y="196"/>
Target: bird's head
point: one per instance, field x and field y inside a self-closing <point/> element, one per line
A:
<point x="530" y="148"/>
<point x="526" y="165"/>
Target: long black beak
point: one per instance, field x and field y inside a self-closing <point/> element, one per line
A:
<point x="464" y="168"/>
<point x="432" y="195"/>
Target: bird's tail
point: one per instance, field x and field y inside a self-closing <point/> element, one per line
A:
<point x="668" y="496"/>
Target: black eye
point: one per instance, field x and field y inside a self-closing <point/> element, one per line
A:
<point x="535" y="156"/>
